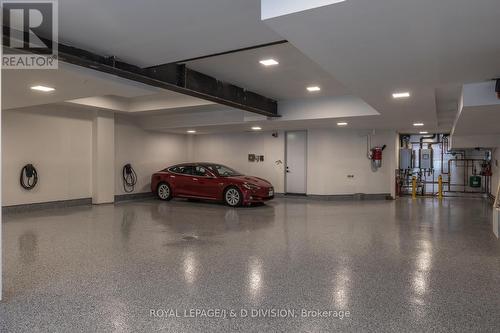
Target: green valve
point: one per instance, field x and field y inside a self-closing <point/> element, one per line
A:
<point x="475" y="181"/>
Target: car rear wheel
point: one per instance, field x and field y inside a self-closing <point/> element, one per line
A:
<point x="164" y="192"/>
<point x="233" y="197"/>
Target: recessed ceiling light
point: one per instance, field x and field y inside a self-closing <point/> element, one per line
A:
<point x="405" y="94"/>
<point x="42" y="88"/>
<point x="424" y="132"/>
<point x="342" y="124"/>
<point x="256" y="128"/>
<point x="269" y="62"/>
<point x="418" y="124"/>
<point x="191" y="131"/>
<point x="313" y="88"/>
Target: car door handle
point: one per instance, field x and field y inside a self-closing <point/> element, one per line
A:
<point x="195" y="179"/>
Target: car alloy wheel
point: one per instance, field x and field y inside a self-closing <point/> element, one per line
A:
<point x="164" y="191"/>
<point x="233" y="197"/>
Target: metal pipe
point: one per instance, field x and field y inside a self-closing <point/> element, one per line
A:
<point x="440" y="187"/>
<point x="414" y="187"/>
<point x="425" y="138"/>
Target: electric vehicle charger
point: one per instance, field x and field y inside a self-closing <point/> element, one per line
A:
<point x="129" y="178"/>
<point x="29" y="177"/>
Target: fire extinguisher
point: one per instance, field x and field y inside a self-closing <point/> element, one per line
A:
<point x="486" y="169"/>
<point x="376" y="156"/>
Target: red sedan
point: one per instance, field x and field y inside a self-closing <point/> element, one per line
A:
<point x="210" y="181"/>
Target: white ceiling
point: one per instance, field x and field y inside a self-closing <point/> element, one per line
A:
<point x="164" y="101"/>
<point x="161" y="110"/>
<point x="378" y="47"/>
<point x="71" y="82"/>
<point x="90" y="88"/>
<point x="362" y="47"/>
<point x="480" y="110"/>
<point x="152" y="32"/>
<point x="288" y="80"/>
<point x="306" y="113"/>
<point x="358" y="123"/>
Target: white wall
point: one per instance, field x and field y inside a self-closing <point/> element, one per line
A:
<point x="333" y="154"/>
<point x="147" y="151"/>
<point x="495" y="167"/>
<point x="58" y="141"/>
<point x="233" y="149"/>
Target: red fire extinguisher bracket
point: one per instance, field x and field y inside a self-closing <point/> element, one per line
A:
<point x="376" y="156"/>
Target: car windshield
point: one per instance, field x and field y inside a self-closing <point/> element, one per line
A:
<point x="223" y="171"/>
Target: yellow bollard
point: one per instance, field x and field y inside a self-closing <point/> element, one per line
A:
<point x="440" y="187"/>
<point x="414" y="187"/>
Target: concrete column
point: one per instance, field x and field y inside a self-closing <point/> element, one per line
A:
<point x="103" y="158"/>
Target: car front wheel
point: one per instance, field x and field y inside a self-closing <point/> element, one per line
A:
<point x="164" y="192"/>
<point x="233" y="197"/>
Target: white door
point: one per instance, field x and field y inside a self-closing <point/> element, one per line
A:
<point x="296" y="162"/>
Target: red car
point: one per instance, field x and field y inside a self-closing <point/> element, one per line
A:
<point x="210" y="181"/>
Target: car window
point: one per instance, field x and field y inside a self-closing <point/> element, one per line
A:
<point x="187" y="170"/>
<point x="182" y="169"/>
<point x="174" y="169"/>
<point x="200" y="171"/>
<point x="223" y="171"/>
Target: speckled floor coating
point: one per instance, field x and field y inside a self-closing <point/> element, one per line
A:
<point x="395" y="266"/>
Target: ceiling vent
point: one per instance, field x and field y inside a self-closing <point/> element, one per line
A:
<point x="497" y="88"/>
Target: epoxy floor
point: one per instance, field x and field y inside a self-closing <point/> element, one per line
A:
<point x="136" y="267"/>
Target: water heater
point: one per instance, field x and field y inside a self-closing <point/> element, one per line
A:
<point x="405" y="159"/>
<point x="425" y="161"/>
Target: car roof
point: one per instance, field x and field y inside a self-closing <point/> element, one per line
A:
<point x="196" y="163"/>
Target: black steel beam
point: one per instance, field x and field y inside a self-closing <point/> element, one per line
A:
<point x="172" y="77"/>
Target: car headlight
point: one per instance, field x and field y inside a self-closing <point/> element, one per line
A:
<point x="249" y="186"/>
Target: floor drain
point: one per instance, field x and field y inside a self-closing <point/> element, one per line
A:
<point x="189" y="238"/>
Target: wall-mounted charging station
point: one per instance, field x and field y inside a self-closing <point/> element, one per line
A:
<point x="29" y="177"/>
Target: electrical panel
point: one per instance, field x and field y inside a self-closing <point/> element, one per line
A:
<point x="405" y="159"/>
<point x="426" y="159"/>
<point x="255" y="158"/>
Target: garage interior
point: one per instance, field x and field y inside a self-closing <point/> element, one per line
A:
<point x="376" y="122"/>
